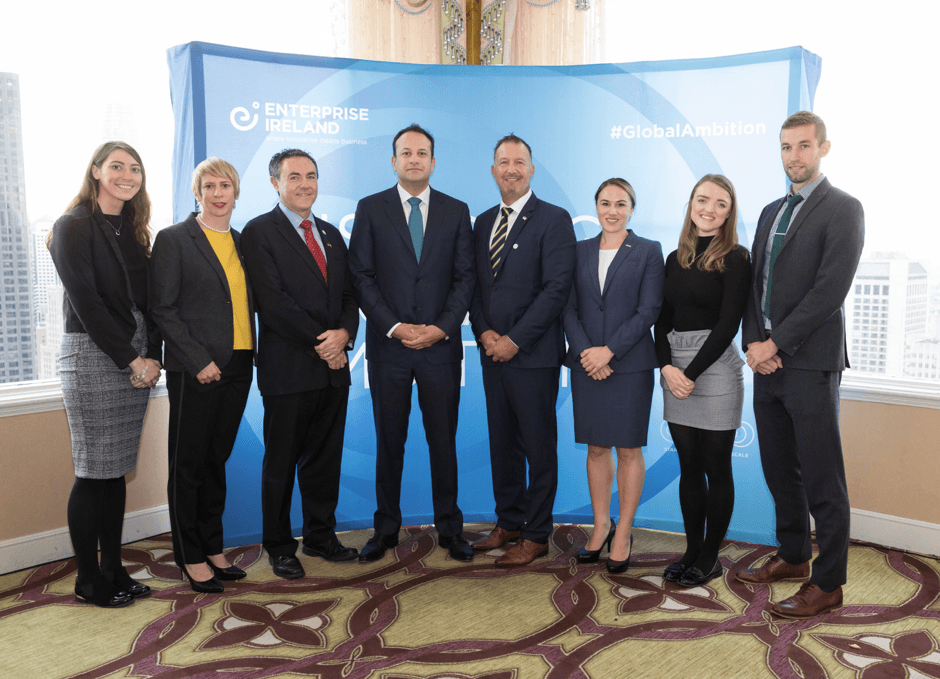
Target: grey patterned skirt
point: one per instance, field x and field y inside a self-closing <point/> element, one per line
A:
<point x="718" y="397"/>
<point x="105" y="411"/>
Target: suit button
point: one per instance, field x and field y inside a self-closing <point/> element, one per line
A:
<point x="494" y="288"/>
<point x="414" y="308"/>
<point x="600" y="308"/>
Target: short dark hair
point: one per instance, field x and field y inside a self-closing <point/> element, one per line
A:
<point x="414" y="127"/>
<point x="512" y="138"/>
<point x="801" y="118"/>
<point x="274" y="167"/>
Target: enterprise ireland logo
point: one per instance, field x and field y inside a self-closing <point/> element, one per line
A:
<point x="296" y="118"/>
<point x="715" y="129"/>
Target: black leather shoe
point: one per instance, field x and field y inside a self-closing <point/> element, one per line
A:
<point x="376" y="547"/>
<point x="693" y="577"/>
<point x="210" y="586"/>
<point x="331" y="550"/>
<point x="124" y="582"/>
<point x="105" y="595"/>
<point x="229" y="573"/>
<point x="620" y="566"/>
<point x="674" y="571"/>
<point x="594" y="555"/>
<point x="457" y="545"/>
<point x="286" y="566"/>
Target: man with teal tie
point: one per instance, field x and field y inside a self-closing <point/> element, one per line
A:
<point x="806" y="249"/>
<point x="411" y="256"/>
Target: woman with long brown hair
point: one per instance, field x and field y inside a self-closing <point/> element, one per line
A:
<point x="110" y="359"/>
<point x="707" y="283"/>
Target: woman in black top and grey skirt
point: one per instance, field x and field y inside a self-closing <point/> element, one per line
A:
<point x="110" y="359"/>
<point x="706" y="289"/>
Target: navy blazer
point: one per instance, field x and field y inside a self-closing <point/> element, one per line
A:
<point x="525" y="297"/>
<point x="295" y="304"/>
<point x="392" y="286"/>
<point x="812" y="276"/>
<point x="98" y="299"/>
<point x="619" y="317"/>
<point x="190" y="298"/>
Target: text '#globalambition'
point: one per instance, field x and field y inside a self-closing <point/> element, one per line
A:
<point x="728" y="129"/>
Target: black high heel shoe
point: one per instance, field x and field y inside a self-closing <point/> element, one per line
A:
<point x="210" y="586"/>
<point x="229" y="573"/>
<point x="594" y="555"/>
<point x="124" y="582"/>
<point x="103" y="594"/>
<point x="620" y="566"/>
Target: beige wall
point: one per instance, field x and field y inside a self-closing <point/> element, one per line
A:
<point x="37" y="468"/>
<point x="890" y="452"/>
<point x="891" y="459"/>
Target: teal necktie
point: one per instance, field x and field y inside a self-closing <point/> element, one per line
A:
<point x="416" y="226"/>
<point x="777" y="244"/>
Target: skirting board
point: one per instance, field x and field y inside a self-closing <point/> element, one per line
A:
<point x="53" y="545"/>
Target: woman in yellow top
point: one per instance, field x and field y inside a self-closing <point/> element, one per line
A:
<point x="202" y="305"/>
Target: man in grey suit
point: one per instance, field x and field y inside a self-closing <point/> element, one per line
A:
<point x="806" y="249"/>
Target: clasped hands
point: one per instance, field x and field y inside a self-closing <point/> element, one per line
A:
<point x="680" y="385"/>
<point x="596" y="362"/>
<point x="762" y="357"/>
<point x="418" y="336"/>
<point x="331" y="347"/>
<point x="499" y="347"/>
<point x="145" y="372"/>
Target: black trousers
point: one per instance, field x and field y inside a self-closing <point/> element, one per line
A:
<point x="439" y="397"/>
<point x="523" y="428"/>
<point x="797" y="414"/>
<point x="303" y="434"/>
<point x="204" y="421"/>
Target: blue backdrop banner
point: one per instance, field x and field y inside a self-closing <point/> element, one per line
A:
<point x="660" y="125"/>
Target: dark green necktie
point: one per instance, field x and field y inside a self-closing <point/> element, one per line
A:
<point x="777" y="244"/>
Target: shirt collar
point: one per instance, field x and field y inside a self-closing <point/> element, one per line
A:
<point x="807" y="190"/>
<point x="294" y="218"/>
<point x="404" y="196"/>
<point x="519" y="204"/>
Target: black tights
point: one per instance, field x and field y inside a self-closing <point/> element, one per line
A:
<point x="706" y="491"/>
<point x="96" y="516"/>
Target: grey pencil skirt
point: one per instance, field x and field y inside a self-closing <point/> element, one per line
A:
<point x="718" y="397"/>
<point x="105" y="411"/>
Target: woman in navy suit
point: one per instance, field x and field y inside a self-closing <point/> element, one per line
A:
<point x="615" y="299"/>
<point x="202" y="304"/>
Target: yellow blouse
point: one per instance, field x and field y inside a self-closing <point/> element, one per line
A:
<point x="224" y="247"/>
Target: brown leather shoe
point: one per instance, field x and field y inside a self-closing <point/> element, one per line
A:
<point x="775" y="569"/>
<point x="808" y="602"/>
<point x="496" y="539"/>
<point x="524" y="552"/>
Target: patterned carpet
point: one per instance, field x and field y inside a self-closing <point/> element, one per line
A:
<point x="418" y="613"/>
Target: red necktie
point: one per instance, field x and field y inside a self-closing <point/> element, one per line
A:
<point x="314" y="247"/>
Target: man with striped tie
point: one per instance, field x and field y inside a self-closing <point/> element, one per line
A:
<point x="525" y="257"/>
<point x="806" y="249"/>
<point x="411" y="254"/>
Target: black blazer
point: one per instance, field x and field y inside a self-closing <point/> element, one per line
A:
<point x="190" y="298"/>
<point x="98" y="299"/>
<point x="295" y="304"/>
<point x="526" y="296"/>
<point x="812" y="275"/>
<point x="392" y="286"/>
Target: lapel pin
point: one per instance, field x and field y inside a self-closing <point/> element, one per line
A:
<point x="515" y="246"/>
<point x="524" y="218"/>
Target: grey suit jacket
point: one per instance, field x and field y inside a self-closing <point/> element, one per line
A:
<point x="812" y="276"/>
<point x="190" y="298"/>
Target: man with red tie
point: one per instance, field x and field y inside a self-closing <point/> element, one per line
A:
<point x="307" y="322"/>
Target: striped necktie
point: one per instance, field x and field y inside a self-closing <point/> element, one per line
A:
<point x="499" y="239"/>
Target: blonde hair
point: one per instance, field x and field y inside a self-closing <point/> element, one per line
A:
<point x="219" y="168"/>
<point x="726" y="240"/>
